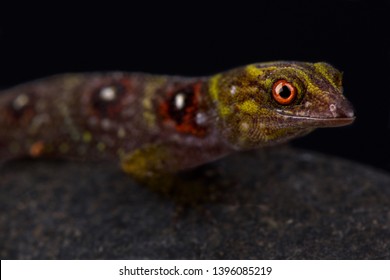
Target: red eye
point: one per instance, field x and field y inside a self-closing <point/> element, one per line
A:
<point x="284" y="92"/>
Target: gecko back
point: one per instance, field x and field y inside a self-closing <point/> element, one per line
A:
<point x="72" y="116"/>
<point x="101" y="116"/>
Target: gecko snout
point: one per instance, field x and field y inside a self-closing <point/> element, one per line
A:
<point x="342" y="109"/>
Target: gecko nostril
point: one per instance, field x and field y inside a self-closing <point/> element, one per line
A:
<point x="332" y="109"/>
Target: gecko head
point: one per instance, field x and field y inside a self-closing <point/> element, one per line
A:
<point x="270" y="103"/>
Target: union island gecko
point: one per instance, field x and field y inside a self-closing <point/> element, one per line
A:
<point x="155" y="124"/>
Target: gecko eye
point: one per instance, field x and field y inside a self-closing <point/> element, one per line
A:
<point x="284" y="92"/>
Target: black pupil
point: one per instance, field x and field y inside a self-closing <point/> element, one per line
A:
<point x="285" y="92"/>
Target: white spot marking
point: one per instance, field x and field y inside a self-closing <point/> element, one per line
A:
<point x="20" y="101"/>
<point x="121" y="132"/>
<point x="179" y="101"/>
<point x="307" y="104"/>
<point x="233" y="90"/>
<point x="108" y="93"/>
<point x="106" y="124"/>
<point x="244" y="126"/>
<point x="200" y="118"/>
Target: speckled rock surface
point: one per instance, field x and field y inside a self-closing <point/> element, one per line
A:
<point x="278" y="204"/>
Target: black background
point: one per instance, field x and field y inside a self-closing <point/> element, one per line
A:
<point x="191" y="38"/>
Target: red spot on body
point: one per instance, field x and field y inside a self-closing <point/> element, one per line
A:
<point x="180" y="108"/>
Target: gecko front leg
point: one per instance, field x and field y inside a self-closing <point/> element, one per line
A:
<point x="149" y="161"/>
<point x="152" y="163"/>
<point x="174" y="172"/>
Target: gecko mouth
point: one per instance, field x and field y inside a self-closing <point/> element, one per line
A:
<point x="320" y="122"/>
<point x="337" y="112"/>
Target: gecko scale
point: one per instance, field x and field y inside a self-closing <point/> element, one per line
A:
<point x="156" y="124"/>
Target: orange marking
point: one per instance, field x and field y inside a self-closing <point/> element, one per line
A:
<point x="188" y="124"/>
<point x="36" y="149"/>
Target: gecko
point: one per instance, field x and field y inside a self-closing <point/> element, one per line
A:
<point x="153" y="124"/>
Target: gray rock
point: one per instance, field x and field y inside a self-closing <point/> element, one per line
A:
<point x="276" y="204"/>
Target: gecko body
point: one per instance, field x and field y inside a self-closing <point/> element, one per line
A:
<point x="162" y="124"/>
